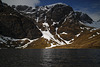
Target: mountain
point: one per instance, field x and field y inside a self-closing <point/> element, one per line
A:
<point x="51" y="26"/>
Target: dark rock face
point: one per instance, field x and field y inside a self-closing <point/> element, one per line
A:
<point x="14" y="25"/>
<point x="22" y="8"/>
<point x="1" y="5"/>
<point x="18" y="28"/>
<point x="58" y="12"/>
<point x="0" y="2"/>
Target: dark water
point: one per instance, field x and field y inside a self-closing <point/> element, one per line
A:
<point x="50" y="58"/>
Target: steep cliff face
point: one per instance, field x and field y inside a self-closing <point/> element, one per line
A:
<point x="14" y="25"/>
<point x="51" y="26"/>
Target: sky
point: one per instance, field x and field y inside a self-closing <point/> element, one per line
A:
<point x="91" y="7"/>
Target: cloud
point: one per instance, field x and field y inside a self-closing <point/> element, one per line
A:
<point x="22" y="2"/>
<point x="94" y="14"/>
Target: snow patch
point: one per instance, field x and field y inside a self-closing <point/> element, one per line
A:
<point x="37" y="20"/>
<point x="82" y="31"/>
<point x="91" y="36"/>
<point x="30" y="12"/>
<point x="30" y="41"/>
<point x="72" y="39"/>
<point x="51" y="46"/>
<point x="78" y="35"/>
<point x="10" y="13"/>
<point x="70" y="15"/>
<point x="82" y="28"/>
<point x="98" y="33"/>
<point x="52" y="5"/>
<point x="47" y="35"/>
<point x="46" y="24"/>
<point x="53" y="23"/>
<point x="94" y="29"/>
<point x="2" y="41"/>
<point x="81" y="23"/>
<point x="87" y="28"/>
<point x="64" y="33"/>
<point x="6" y="39"/>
